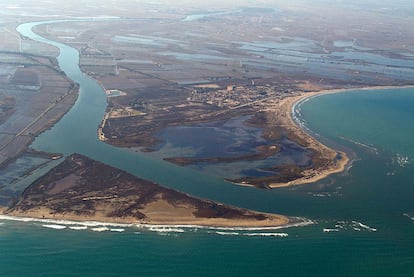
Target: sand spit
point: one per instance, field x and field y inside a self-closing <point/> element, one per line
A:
<point x="287" y="106"/>
<point x="82" y="189"/>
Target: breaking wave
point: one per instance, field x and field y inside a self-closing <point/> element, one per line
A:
<point x="54" y="226"/>
<point x="401" y="160"/>
<point x="328" y="230"/>
<point x="100" y="229"/>
<point x="349" y="226"/>
<point x="166" y="229"/>
<point x="370" y="148"/>
<point x="252" y="234"/>
<point x="119" y="230"/>
<point x="157" y="228"/>
<point x="268" y="234"/>
<point x="78" y="227"/>
<point x="410" y="216"/>
<point x="227" y="233"/>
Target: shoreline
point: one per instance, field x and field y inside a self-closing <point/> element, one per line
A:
<point x="293" y="222"/>
<point x="72" y="191"/>
<point x="43" y="214"/>
<point x="72" y="94"/>
<point x="313" y="175"/>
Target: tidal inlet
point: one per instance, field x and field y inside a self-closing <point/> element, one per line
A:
<point x="219" y="138"/>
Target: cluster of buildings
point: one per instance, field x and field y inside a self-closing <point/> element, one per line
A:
<point x="237" y="96"/>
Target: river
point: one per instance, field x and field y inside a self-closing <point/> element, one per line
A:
<point x="363" y="220"/>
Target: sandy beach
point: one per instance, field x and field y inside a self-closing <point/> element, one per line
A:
<point x="287" y="106"/>
<point x="169" y="219"/>
<point x="74" y="191"/>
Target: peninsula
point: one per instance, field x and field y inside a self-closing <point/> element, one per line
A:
<point x="83" y="189"/>
<point x="324" y="161"/>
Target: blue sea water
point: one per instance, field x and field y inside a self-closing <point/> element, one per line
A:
<point x="362" y="220"/>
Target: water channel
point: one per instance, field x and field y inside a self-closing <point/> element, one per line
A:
<point x="76" y="132"/>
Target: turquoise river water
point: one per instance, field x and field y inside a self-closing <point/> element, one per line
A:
<point x="362" y="220"/>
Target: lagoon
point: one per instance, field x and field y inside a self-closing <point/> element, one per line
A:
<point x="376" y="192"/>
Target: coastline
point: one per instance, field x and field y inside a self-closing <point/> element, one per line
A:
<point x="89" y="222"/>
<point x="73" y="191"/>
<point x="313" y="175"/>
<point x="273" y="221"/>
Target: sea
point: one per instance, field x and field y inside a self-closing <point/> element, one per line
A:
<point x="356" y="223"/>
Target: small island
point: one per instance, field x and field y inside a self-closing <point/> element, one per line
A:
<point x="86" y="190"/>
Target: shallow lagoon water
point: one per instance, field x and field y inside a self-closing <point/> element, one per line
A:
<point x="376" y="192"/>
<point x="228" y="138"/>
<point x="294" y="54"/>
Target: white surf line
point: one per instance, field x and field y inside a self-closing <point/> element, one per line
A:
<point x="78" y="227"/>
<point x="349" y="226"/>
<point x="252" y="234"/>
<point x="119" y="230"/>
<point x="304" y="223"/>
<point x="227" y="233"/>
<point x="409" y="216"/>
<point x="366" y="227"/>
<point x="100" y="229"/>
<point x="54" y="226"/>
<point x="329" y="230"/>
<point x="64" y="222"/>
<point x="166" y="229"/>
<point x="179" y="228"/>
<point x="283" y="235"/>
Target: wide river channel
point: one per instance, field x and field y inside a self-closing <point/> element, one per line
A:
<point x="363" y="219"/>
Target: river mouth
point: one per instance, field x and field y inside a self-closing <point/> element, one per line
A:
<point x="363" y="221"/>
<point x="76" y="132"/>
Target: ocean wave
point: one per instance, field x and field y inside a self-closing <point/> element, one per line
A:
<point x="283" y="235"/>
<point x="258" y="234"/>
<point x="297" y="117"/>
<point x="409" y="216"/>
<point x="370" y="148"/>
<point x="166" y="229"/>
<point x="321" y="194"/>
<point x="119" y="230"/>
<point x="100" y="229"/>
<point x="401" y="160"/>
<point x="160" y="228"/>
<point x="328" y="230"/>
<point x="349" y="226"/>
<point x="350" y="164"/>
<point x="54" y="226"/>
<point x="363" y="226"/>
<point x="78" y="227"/>
<point x="227" y="233"/>
<point x="64" y="222"/>
<point x="301" y="222"/>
